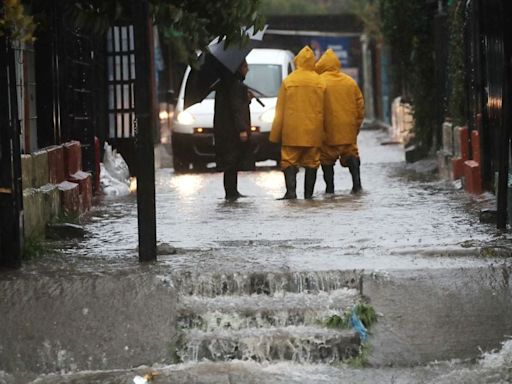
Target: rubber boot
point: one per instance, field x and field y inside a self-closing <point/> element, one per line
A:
<point x="309" y="182"/>
<point x="329" y="178"/>
<point x="290" y="179"/>
<point x="230" y="184"/>
<point x="354" y="168"/>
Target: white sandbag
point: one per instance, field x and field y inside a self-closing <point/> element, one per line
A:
<point x="116" y="165"/>
<point x="110" y="186"/>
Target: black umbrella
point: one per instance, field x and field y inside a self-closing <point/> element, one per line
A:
<point x="216" y="63"/>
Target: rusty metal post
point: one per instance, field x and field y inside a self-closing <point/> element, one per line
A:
<point x="145" y="120"/>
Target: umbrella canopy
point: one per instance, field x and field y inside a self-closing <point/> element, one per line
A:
<point x="216" y="63"/>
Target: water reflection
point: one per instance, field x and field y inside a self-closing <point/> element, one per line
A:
<point x="272" y="182"/>
<point x="187" y="185"/>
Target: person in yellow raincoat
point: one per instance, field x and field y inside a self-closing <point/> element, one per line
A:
<point x="298" y="123"/>
<point x="344" y="113"/>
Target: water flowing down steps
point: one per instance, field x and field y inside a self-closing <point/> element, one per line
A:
<point x="212" y="284"/>
<point x="300" y="344"/>
<point x="280" y="310"/>
<point x="265" y="317"/>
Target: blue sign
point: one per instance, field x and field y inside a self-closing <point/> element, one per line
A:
<point x="341" y="46"/>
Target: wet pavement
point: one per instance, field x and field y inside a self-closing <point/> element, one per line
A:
<point x="410" y="243"/>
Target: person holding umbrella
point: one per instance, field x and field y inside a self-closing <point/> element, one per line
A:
<point x="298" y="123"/>
<point x="344" y="113"/>
<point x="232" y="126"/>
<point x="223" y="68"/>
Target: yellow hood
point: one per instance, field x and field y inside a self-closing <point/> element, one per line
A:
<point x="328" y="62"/>
<point x="305" y="59"/>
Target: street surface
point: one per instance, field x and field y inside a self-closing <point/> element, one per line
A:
<point x="410" y="244"/>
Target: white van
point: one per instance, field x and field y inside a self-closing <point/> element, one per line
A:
<point x="192" y="128"/>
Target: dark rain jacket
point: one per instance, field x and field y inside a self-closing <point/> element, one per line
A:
<point x="232" y="116"/>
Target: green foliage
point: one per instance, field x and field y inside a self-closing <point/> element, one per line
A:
<point x="339" y="322"/>
<point x="368" y="12"/>
<point x="361" y="360"/>
<point x="188" y="25"/>
<point x="33" y="248"/>
<point x="291" y="7"/>
<point x="456" y="68"/>
<point x="366" y="314"/>
<point x="15" y="22"/>
<point x="407" y="29"/>
<point x="304" y="7"/>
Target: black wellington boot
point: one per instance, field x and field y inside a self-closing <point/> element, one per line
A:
<point x="354" y="168"/>
<point x="329" y="178"/>
<point x="230" y="184"/>
<point x="290" y="179"/>
<point x="309" y="182"/>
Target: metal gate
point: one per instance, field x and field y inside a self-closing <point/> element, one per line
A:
<point x="487" y="83"/>
<point x="70" y="83"/>
<point x="120" y="55"/>
<point x="11" y="203"/>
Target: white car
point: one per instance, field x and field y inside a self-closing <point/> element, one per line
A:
<point x="192" y="128"/>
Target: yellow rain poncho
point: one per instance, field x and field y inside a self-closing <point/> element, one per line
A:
<point x="300" y="105"/>
<point x="344" y="103"/>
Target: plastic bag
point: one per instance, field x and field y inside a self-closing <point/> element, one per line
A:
<point x="115" y="164"/>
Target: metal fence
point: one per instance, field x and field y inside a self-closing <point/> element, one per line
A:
<point x="11" y="204"/>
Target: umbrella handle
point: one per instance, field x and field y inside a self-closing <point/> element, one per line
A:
<point x="259" y="101"/>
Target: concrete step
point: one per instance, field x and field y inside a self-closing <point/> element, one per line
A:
<point x="264" y="283"/>
<point x="303" y="344"/>
<point x="279" y="310"/>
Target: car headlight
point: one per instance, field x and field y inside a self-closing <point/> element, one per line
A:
<point x="268" y="115"/>
<point x="185" y="118"/>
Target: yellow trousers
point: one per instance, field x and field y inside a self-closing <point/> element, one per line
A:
<point x="308" y="157"/>
<point x="330" y="153"/>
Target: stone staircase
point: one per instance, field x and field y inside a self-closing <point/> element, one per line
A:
<point x="265" y="317"/>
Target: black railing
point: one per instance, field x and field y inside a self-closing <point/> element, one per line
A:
<point x="11" y="203"/>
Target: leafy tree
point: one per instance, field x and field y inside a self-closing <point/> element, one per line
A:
<point x="456" y="65"/>
<point x="15" y="22"/>
<point x="186" y="24"/>
<point x="368" y="12"/>
<point x="407" y="29"/>
<point x="304" y="7"/>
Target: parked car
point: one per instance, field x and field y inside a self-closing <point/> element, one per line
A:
<point x="192" y="129"/>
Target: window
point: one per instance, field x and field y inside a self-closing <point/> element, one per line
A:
<point x="265" y="78"/>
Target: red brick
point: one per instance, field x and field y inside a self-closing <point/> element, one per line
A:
<point x="72" y="157"/>
<point x="472" y="177"/>
<point x="84" y="181"/>
<point x="457" y="168"/>
<point x="70" y="198"/>
<point x="56" y="164"/>
<point x="464" y="142"/>
<point x="475" y="145"/>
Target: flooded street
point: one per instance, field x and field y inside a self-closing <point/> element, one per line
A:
<point x="240" y="288"/>
<point x="401" y="215"/>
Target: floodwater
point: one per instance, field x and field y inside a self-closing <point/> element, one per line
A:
<point x="400" y="221"/>
<point x="251" y="282"/>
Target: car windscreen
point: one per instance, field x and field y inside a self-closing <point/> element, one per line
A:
<point x="265" y="78"/>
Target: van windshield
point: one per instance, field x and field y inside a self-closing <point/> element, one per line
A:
<point x="265" y="78"/>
